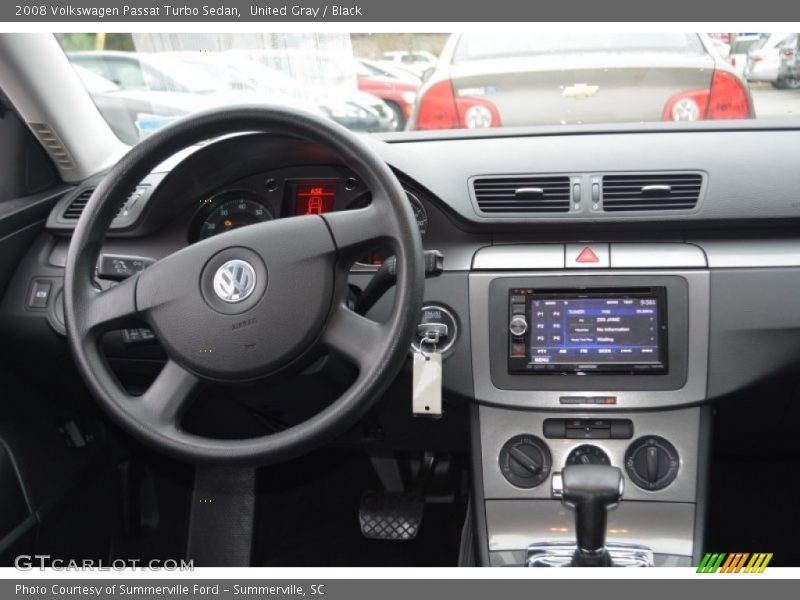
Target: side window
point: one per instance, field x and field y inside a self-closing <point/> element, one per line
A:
<point x="95" y="65"/>
<point x="127" y="74"/>
<point x="158" y="82"/>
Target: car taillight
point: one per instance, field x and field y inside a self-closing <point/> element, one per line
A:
<point x="687" y="106"/>
<point x="726" y="98"/>
<point x="439" y="108"/>
<point x="477" y="113"/>
<point x="788" y="52"/>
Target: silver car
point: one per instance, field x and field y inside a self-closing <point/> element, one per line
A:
<point x="764" y="59"/>
<point x="491" y="80"/>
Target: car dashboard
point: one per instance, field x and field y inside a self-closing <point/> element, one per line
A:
<point x="601" y="290"/>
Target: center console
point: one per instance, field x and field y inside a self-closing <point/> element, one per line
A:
<point x="581" y="366"/>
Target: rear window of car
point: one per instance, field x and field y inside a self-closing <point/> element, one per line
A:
<point x="743" y="46"/>
<point x="476" y="46"/>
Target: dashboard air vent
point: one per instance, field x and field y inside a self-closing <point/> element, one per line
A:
<point x="75" y="208"/>
<point x="535" y="194"/>
<point x="663" y="191"/>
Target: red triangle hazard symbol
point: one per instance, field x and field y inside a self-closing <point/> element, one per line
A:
<point x="587" y="255"/>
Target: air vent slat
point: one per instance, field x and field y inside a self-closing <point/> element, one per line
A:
<point x="558" y="196"/>
<point x="500" y="194"/>
<point x="633" y="207"/>
<point x="674" y="189"/>
<point x="681" y="191"/>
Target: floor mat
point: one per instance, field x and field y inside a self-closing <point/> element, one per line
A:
<point x="308" y="516"/>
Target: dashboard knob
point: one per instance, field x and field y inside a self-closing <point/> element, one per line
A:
<point x="518" y="326"/>
<point x="525" y="461"/>
<point x="652" y="463"/>
<point x="588" y="455"/>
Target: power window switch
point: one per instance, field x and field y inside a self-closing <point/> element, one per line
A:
<point x="39" y="296"/>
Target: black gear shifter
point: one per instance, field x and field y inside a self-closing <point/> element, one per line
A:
<point x="590" y="491"/>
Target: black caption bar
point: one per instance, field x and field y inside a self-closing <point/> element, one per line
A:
<point x="396" y="11"/>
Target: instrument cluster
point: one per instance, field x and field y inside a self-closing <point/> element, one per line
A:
<point x="289" y="193"/>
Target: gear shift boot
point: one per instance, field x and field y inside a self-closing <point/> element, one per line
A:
<point x="555" y="554"/>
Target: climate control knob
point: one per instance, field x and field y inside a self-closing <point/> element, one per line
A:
<point x="588" y="454"/>
<point x="518" y="326"/>
<point x="652" y="463"/>
<point x="525" y="461"/>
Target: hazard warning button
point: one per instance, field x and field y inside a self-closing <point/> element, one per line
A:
<point x="587" y="256"/>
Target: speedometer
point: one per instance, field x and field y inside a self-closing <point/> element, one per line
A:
<point x="420" y="214"/>
<point x="231" y="210"/>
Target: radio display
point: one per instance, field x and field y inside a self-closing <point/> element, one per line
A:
<point x="588" y="332"/>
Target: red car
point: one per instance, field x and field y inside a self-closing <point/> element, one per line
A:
<point x="398" y="95"/>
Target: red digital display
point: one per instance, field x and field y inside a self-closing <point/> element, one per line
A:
<point x="315" y="197"/>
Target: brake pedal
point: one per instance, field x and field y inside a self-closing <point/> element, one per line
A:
<point x="393" y="516"/>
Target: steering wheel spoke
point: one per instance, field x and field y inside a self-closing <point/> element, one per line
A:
<point x="164" y="401"/>
<point x="360" y="229"/>
<point x="353" y="335"/>
<point x="112" y="308"/>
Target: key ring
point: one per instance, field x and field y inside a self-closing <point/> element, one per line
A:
<point x="426" y="340"/>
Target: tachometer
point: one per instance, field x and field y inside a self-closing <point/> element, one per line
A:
<point x="231" y="210"/>
<point x="419" y="213"/>
<point x="377" y="255"/>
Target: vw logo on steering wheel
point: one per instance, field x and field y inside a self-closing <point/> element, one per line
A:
<point x="234" y="281"/>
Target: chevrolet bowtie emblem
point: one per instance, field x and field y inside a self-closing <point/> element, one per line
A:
<point x="580" y="90"/>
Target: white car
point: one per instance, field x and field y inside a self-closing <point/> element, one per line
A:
<point x="764" y="61"/>
<point x="741" y="44"/>
<point x="417" y="61"/>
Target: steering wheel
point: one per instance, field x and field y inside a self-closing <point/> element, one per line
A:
<point x="258" y="301"/>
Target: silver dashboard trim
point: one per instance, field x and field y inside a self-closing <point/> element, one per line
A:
<point x="695" y="254"/>
<point x="663" y="255"/>
<point x="522" y="256"/>
<point x="737" y="254"/>
<point x="665" y="528"/>
<point x="617" y="255"/>
<point x="693" y="391"/>
<point x="680" y="427"/>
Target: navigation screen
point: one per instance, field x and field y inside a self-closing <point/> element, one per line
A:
<point x="598" y="332"/>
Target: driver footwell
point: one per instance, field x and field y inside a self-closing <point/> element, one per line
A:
<point x="307" y="515"/>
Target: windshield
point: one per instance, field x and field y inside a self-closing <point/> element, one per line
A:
<point x="392" y="82"/>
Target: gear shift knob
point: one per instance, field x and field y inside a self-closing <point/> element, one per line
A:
<point x="590" y="491"/>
